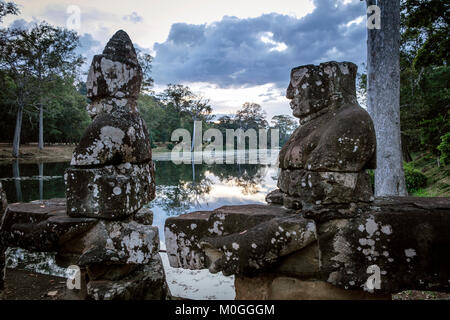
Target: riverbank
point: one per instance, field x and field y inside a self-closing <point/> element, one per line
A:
<point x="30" y="153"/>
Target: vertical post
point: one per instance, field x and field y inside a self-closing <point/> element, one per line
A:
<point x="383" y="96"/>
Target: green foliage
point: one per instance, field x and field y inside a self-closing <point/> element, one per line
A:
<point x="425" y="74"/>
<point x="286" y="125"/>
<point x="444" y="148"/>
<point x="414" y="178"/>
<point x="425" y="31"/>
<point x="170" y="146"/>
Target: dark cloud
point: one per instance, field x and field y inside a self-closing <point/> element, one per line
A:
<point x="254" y="51"/>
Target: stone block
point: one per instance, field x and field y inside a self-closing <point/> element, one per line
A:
<point x="111" y="192"/>
<point x="323" y="188"/>
<point x="115" y="242"/>
<point x="402" y="242"/>
<point x="145" y="283"/>
<point x="185" y="232"/>
<point x="41" y="225"/>
<point x="112" y="139"/>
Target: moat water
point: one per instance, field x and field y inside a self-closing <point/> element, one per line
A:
<point x="180" y="189"/>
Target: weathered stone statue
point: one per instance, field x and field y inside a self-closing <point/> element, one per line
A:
<point x="325" y="159"/>
<point x="112" y="174"/>
<point x="323" y="235"/>
<point x="103" y="228"/>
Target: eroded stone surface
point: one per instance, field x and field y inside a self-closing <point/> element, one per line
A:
<point x="113" y="139"/>
<point x="274" y="287"/>
<point x="325" y="159"/>
<point x="3" y="200"/>
<point x="260" y="247"/>
<point x="115" y="242"/>
<point x="110" y="192"/>
<point x="41" y="225"/>
<point x="145" y="283"/>
<point x="3" y="205"/>
<point x="144" y="216"/>
<point x="184" y="233"/>
<point x="115" y="73"/>
<point x="404" y="240"/>
<point x="321" y="188"/>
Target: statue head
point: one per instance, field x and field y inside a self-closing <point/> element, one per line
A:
<point x="115" y="76"/>
<point x="328" y="85"/>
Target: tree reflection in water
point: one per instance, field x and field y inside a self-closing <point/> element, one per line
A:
<point x="177" y="193"/>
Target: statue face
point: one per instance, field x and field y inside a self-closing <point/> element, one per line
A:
<point x="307" y="91"/>
<point x="313" y="88"/>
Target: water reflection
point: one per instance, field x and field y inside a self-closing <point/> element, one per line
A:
<point x="180" y="188"/>
<point x="25" y="182"/>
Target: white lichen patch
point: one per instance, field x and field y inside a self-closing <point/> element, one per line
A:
<point x="410" y="253"/>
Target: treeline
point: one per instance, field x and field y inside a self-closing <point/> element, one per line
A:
<point x="178" y="107"/>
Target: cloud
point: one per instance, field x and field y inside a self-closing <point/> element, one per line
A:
<point x="88" y="48"/>
<point x="256" y="51"/>
<point x="133" y="17"/>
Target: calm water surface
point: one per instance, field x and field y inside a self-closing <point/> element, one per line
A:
<point x="180" y="188"/>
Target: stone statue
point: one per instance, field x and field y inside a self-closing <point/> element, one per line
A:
<point x="325" y="159"/>
<point x="112" y="174"/>
<point x="329" y="248"/>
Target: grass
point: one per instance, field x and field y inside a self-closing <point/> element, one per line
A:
<point x="438" y="177"/>
<point x="30" y="153"/>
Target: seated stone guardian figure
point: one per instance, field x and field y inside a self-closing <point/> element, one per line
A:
<point x="325" y="160"/>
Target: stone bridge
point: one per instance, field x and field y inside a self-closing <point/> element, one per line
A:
<point x="322" y="234"/>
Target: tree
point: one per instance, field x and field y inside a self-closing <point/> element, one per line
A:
<point x="286" y="125"/>
<point x="383" y="98"/>
<point x="37" y="58"/>
<point x="425" y="76"/>
<point x="145" y="60"/>
<point x="251" y="116"/>
<point x="425" y="31"/>
<point x="178" y="95"/>
<point x="7" y="8"/>
<point x="188" y="105"/>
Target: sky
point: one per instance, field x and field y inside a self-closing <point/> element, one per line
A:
<point x="230" y="52"/>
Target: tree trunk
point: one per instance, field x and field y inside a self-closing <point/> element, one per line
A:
<point x="41" y="127"/>
<point x="16" y="141"/>
<point x="383" y="98"/>
<point x="41" y="180"/>
<point x="16" y="175"/>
